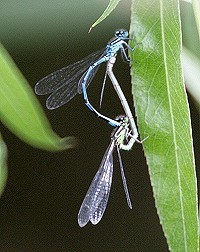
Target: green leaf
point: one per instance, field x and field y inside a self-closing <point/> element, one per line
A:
<point x="20" y="110"/>
<point x="163" y="115"/>
<point x="111" y="6"/>
<point x="3" y="165"/>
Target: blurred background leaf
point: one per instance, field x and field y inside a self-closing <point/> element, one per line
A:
<point x="190" y="37"/>
<point x="21" y="112"/>
<point x="191" y="68"/>
<point x="196" y="10"/>
<point x="111" y="6"/>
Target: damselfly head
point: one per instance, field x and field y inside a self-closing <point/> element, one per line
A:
<point x="121" y="33"/>
<point x="121" y="118"/>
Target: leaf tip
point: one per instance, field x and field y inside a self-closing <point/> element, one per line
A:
<point x="69" y="142"/>
<point x="90" y="28"/>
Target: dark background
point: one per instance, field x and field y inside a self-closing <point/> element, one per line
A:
<point x="38" y="210"/>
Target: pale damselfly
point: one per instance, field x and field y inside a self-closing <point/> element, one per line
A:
<point x="117" y="87"/>
<point x="96" y="199"/>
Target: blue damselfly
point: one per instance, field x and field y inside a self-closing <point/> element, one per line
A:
<point x="64" y="84"/>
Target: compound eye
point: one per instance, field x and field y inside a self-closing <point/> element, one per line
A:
<point x="121" y="118"/>
<point x="121" y="33"/>
<point x="117" y="33"/>
<point x="125" y="33"/>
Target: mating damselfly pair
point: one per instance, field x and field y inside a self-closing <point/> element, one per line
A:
<point x="62" y="85"/>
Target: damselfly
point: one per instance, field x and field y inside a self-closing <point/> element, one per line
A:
<point x="96" y="199"/>
<point x="64" y="84"/>
<point x="109" y="72"/>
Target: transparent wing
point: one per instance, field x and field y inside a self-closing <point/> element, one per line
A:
<point x="124" y="180"/>
<point x="89" y="79"/>
<point x="95" y="201"/>
<point x="65" y="93"/>
<point x="63" y="83"/>
<point x="102" y="193"/>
